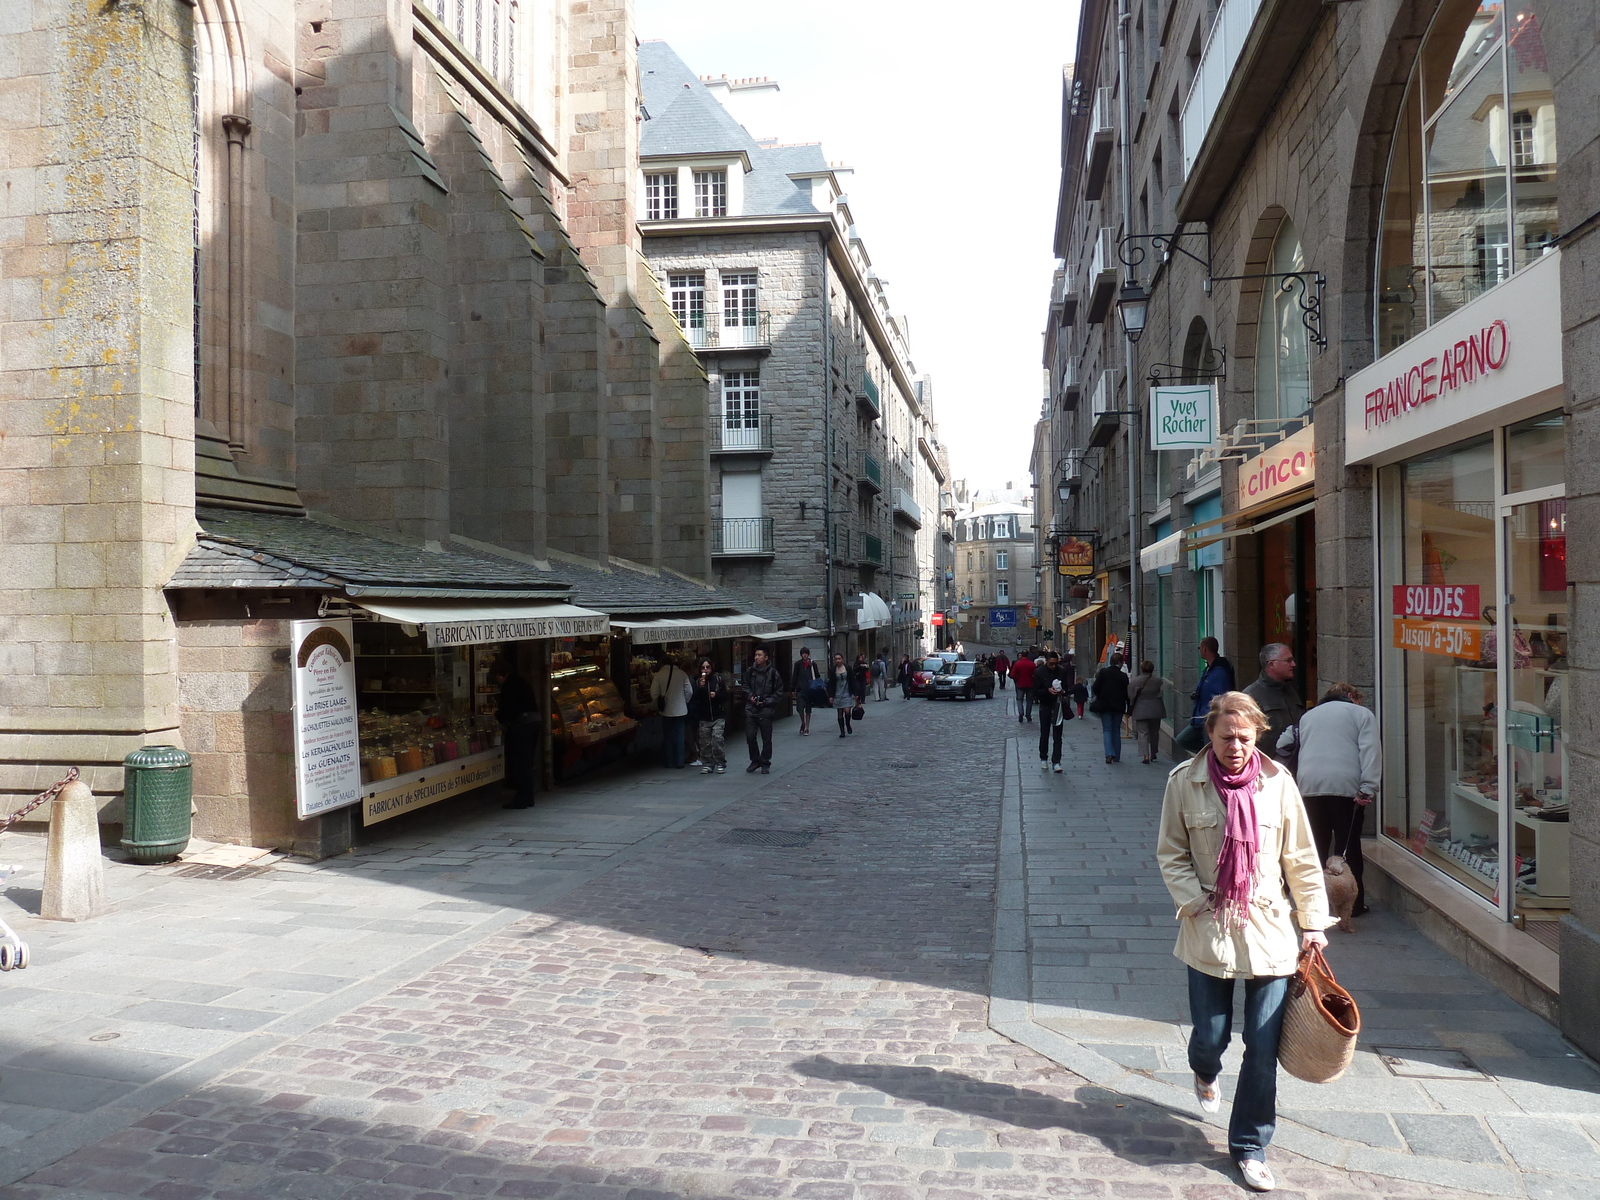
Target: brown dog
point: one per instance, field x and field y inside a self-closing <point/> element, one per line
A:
<point x="1341" y="886"/>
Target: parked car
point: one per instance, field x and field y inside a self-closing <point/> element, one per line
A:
<point x="964" y="679"/>
<point x="922" y="674"/>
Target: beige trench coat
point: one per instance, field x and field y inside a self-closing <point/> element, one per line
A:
<point x="1191" y="838"/>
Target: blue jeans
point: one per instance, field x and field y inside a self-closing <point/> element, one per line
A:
<point x="672" y="741"/>
<point x="1255" y="1103"/>
<point x="1111" y="734"/>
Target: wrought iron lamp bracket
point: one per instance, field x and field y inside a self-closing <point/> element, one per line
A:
<point x="1311" y="285"/>
<point x="1213" y="365"/>
<point x="1132" y="254"/>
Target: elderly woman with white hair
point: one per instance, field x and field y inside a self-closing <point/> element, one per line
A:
<point x="1235" y="846"/>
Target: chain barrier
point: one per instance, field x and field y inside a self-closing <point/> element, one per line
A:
<point x="43" y="797"/>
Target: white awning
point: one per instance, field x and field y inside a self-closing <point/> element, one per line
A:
<point x="467" y="623"/>
<point x="696" y="629"/>
<point x="794" y="635"/>
<point x="1164" y="553"/>
<point x="874" y="612"/>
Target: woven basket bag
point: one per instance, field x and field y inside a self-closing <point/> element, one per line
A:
<point x="1320" y="1023"/>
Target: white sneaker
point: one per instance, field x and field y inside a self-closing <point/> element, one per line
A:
<point x="1257" y="1175"/>
<point x="1044" y="764"/>
<point x="1056" y="768"/>
<point x="1209" y="1095"/>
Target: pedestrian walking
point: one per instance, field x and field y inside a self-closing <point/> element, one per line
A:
<point x="1108" y="699"/>
<point x="860" y="678"/>
<point x="671" y="689"/>
<point x="1052" y="684"/>
<point x="1022" y="673"/>
<point x="708" y="703"/>
<point x="805" y="673"/>
<point x="1233" y="835"/>
<point x="904" y="675"/>
<point x="519" y="716"/>
<point x="1002" y="668"/>
<point x="762" y="687"/>
<point x="1216" y="677"/>
<point x="1276" y="693"/>
<point x="1147" y="708"/>
<point x="880" y="678"/>
<point x="1080" y="695"/>
<point x="842" y="690"/>
<point x="1338" y="770"/>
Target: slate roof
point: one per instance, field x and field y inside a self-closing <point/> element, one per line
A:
<point x="685" y="118"/>
<point x="239" y="549"/>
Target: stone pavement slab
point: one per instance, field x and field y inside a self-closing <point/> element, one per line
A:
<point x="1453" y="1082"/>
<point x="187" y="977"/>
<point x="707" y="1020"/>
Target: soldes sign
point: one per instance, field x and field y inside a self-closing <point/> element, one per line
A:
<point x="1430" y="601"/>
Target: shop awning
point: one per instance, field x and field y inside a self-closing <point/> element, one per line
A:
<point x="1164" y="553"/>
<point x="1083" y="614"/>
<point x="1249" y="520"/>
<point x="696" y="629"/>
<point x="874" y="612"/>
<point x="463" y="623"/>
<point x="805" y="631"/>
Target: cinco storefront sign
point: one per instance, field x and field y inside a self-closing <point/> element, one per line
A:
<point x="1287" y="467"/>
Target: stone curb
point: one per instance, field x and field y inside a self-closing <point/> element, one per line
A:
<point x="1011" y="1014"/>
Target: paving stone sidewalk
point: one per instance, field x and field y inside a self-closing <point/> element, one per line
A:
<point x="186" y="978"/>
<point x="711" y="1018"/>
<point x="1454" y="1084"/>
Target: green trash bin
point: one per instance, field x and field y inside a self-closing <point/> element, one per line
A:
<point x="157" y="786"/>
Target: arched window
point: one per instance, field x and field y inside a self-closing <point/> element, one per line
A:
<point x="1471" y="190"/>
<point x="1283" y="343"/>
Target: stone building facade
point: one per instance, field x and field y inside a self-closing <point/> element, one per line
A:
<point x="818" y="504"/>
<point x="1365" y="231"/>
<point x="373" y="262"/>
<point x="994" y="570"/>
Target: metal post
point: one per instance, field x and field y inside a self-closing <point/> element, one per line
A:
<point x="1135" y="461"/>
<point x="827" y="442"/>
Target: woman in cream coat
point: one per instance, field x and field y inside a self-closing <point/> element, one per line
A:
<point x="1235" y="846"/>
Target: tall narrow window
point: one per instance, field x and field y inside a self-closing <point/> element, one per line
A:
<point x="710" y="193"/>
<point x="661" y="196"/>
<point x="687" y="293"/>
<point x="1002" y="591"/>
<point x="740" y="318"/>
<point x="741" y="410"/>
<point x="1001" y="560"/>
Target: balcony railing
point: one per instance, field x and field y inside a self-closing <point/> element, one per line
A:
<point x="868" y="394"/>
<point x="907" y="509"/>
<point x="871" y="473"/>
<point x="743" y="330"/>
<point x="1225" y="42"/>
<point x="741" y="537"/>
<point x="741" y="435"/>
<point x="874" y="549"/>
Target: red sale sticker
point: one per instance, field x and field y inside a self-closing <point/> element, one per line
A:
<point x="1429" y="601"/>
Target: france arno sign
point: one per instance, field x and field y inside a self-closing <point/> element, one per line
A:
<point x="1183" y="416"/>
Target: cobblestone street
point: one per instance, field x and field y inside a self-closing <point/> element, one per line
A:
<point x="706" y="1018"/>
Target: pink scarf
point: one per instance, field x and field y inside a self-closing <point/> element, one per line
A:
<point x="1241" y="840"/>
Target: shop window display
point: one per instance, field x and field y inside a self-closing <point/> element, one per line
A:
<point x="1475" y="668"/>
<point x="589" y="722"/>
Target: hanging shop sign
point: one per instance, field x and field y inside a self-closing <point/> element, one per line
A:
<point x="937" y="619"/>
<point x="1002" y="618"/>
<point x="327" y="750"/>
<point x="1430" y="601"/>
<point x="1074" y="558"/>
<point x="1183" y="416"/>
<point x="1488" y="363"/>
<point x="1287" y="467"/>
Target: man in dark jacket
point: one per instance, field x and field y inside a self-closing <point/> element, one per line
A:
<point x="762" y="687"/>
<point x="519" y="716"/>
<point x="1217" y="678"/>
<point x="804" y="674"/>
<point x="1276" y="693"/>
<point x="1051" y="685"/>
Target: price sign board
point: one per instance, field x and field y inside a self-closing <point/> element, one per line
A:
<point x="1439" y="637"/>
<point x="1431" y="601"/>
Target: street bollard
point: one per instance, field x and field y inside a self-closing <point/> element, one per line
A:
<point x="74" y="872"/>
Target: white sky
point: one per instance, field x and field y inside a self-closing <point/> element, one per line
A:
<point x="951" y="117"/>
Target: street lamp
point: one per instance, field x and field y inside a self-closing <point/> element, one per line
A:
<point x="1133" y="303"/>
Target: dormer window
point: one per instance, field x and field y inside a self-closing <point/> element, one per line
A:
<point x="710" y="194"/>
<point x="661" y="196"/>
